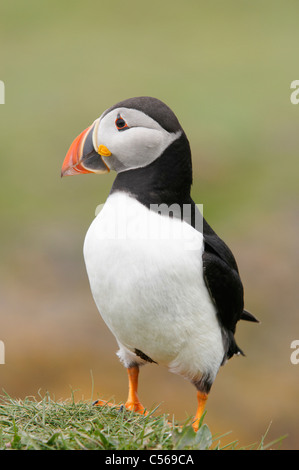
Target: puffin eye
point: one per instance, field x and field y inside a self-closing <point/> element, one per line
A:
<point x="121" y="123"/>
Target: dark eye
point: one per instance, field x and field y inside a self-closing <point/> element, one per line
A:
<point x="121" y="123"/>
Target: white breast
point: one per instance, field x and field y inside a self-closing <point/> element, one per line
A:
<point x="145" y="273"/>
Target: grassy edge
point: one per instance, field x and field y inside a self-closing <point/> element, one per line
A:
<point x="45" y="424"/>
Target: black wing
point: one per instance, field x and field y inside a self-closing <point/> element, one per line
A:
<point x="224" y="284"/>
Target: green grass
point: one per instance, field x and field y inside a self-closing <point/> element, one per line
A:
<point x="45" y="424"/>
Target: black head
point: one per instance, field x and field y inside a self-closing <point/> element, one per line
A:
<point x="152" y="107"/>
<point x="142" y="140"/>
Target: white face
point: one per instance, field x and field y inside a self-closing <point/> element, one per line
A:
<point x="134" y="139"/>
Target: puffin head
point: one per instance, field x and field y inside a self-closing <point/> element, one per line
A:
<point x="131" y="134"/>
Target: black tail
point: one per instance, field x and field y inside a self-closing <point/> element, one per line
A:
<point x="249" y="317"/>
<point x="232" y="347"/>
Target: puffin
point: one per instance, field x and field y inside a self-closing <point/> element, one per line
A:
<point x="166" y="285"/>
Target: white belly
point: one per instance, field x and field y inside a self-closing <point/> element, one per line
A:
<point x="145" y="273"/>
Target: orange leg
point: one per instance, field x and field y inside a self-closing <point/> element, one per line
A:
<point x="133" y="402"/>
<point x="201" y="400"/>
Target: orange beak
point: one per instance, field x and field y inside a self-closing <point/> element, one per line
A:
<point x="82" y="157"/>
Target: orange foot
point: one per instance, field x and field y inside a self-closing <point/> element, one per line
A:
<point x="132" y="403"/>
<point x="129" y="405"/>
<point x="103" y="403"/>
<point x="135" y="406"/>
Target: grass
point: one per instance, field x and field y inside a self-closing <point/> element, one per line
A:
<point x="45" y="424"/>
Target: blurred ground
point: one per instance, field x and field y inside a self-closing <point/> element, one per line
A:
<point x="225" y="69"/>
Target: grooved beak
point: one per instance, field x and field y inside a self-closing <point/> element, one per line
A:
<point x="82" y="157"/>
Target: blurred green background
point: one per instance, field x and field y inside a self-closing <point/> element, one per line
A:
<point x="225" y="68"/>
